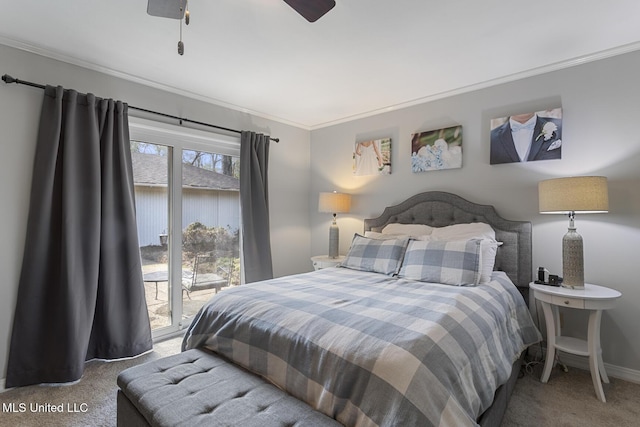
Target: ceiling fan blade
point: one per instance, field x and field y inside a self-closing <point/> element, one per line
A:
<point x="166" y="8"/>
<point x="311" y="10"/>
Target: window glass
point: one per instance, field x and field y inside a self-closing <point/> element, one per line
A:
<point x="210" y="226"/>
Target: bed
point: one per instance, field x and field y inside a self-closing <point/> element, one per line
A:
<point x="373" y="343"/>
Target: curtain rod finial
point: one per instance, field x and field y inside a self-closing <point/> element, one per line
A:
<point x="8" y="79"/>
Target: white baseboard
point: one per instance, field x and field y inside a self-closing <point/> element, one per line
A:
<point x="581" y="362"/>
<point x="2" y="389"/>
<point x="614" y="371"/>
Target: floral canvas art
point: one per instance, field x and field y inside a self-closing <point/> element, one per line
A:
<point x="527" y="137"/>
<point x="436" y="149"/>
<point x="372" y="157"/>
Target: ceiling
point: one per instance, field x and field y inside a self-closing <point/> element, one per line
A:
<point x="363" y="57"/>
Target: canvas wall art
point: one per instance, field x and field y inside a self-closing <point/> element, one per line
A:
<point x="527" y="137"/>
<point x="436" y="149"/>
<point x="372" y="157"/>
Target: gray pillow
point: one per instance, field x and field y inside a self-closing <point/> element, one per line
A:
<point x="455" y="262"/>
<point x="374" y="255"/>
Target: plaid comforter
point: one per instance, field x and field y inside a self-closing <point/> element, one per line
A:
<point x="372" y="350"/>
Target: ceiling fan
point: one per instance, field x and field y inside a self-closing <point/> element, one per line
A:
<point x="311" y="10"/>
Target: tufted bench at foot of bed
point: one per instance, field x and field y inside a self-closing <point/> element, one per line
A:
<point x="199" y="388"/>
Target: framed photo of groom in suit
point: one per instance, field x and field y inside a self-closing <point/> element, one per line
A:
<point x="527" y="137"/>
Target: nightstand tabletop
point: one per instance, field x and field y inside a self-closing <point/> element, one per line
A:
<point x="325" y="261"/>
<point x="327" y="258"/>
<point x="590" y="292"/>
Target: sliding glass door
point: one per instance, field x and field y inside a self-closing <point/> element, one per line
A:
<point x="188" y="211"/>
<point x="151" y="176"/>
<point x="210" y="226"/>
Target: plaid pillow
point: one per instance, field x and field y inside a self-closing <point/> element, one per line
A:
<point x="378" y="256"/>
<point x="449" y="262"/>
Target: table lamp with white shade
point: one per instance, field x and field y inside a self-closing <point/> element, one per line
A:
<point x="334" y="203"/>
<point x="572" y="195"/>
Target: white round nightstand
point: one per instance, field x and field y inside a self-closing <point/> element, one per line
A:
<point x="324" y="261"/>
<point x="594" y="298"/>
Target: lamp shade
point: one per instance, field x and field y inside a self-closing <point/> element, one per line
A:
<point x="579" y="194"/>
<point x="334" y="202"/>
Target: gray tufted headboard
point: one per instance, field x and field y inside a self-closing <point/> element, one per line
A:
<point x="439" y="209"/>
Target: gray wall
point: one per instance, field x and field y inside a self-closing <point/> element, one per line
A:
<point x="601" y="108"/>
<point x="19" y="115"/>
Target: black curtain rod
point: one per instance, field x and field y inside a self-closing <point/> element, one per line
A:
<point x="8" y="79"/>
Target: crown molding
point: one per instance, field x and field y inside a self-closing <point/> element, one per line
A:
<point x="620" y="50"/>
<point x="58" y="56"/>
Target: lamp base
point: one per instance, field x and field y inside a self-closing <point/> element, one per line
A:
<point x="572" y="260"/>
<point x="334" y="237"/>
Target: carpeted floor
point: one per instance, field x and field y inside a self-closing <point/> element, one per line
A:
<point x="567" y="399"/>
<point x="91" y="402"/>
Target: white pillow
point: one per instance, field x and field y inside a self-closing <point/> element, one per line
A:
<point x="423" y="238"/>
<point x="488" y="249"/>
<point x="477" y="230"/>
<point x="384" y="236"/>
<point x="407" y="229"/>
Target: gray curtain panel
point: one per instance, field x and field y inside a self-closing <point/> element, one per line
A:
<point x="254" y="202"/>
<point x="81" y="294"/>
